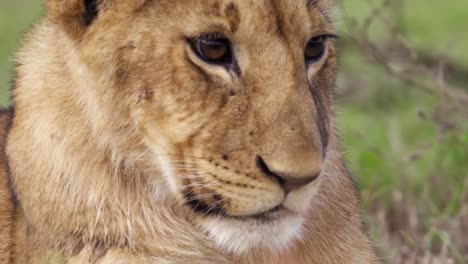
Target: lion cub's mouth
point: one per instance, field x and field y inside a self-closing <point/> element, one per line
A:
<point x="204" y="209"/>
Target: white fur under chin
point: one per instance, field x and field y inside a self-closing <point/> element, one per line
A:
<point x="238" y="236"/>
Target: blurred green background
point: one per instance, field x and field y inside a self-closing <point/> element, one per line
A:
<point x="406" y="139"/>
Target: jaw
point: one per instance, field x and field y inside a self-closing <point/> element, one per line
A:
<point x="238" y="236"/>
<point x="276" y="231"/>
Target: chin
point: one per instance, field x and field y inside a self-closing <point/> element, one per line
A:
<point x="275" y="231"/>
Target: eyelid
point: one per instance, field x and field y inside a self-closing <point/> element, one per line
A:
<point x="216" y="29"/>
<point x="324" y="35"/>
<point x="211" y="35"/>
<point x="330" y="35"/>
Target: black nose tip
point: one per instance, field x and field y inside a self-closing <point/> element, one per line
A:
<point x="288" y="182"/>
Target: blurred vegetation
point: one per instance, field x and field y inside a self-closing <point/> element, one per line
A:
<point x="402" y="97"/>
<point x="402" y="94"/>
<point x="15" y="18"/>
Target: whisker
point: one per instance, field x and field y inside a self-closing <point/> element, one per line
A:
<point x="201" y="196"/>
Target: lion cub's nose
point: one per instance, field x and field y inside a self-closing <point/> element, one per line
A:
<point x="294" y="177"/>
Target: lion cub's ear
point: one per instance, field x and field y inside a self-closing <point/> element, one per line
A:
<point x="74" y="15"/>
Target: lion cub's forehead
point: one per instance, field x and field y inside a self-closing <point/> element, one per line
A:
<point x="293" y="16"/>
<point x="280" y="13"/>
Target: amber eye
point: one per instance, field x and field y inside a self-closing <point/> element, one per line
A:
<point x="216" y="50"/>
<point x="315" y="49"/>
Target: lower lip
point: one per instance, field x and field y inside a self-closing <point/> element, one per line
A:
<point x="267" y="215"/>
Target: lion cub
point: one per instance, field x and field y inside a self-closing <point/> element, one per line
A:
<point x="177" y="131"/>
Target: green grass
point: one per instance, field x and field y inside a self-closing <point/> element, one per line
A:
<point x="413" y="178"/>
<point x="15" y="18"/>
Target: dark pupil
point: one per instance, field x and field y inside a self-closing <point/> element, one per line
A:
<point x="315" y="49"/>
<point x="214" y="50"/>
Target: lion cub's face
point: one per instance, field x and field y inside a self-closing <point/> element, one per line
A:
<point x="232" y="101"/>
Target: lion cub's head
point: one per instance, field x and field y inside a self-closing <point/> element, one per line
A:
<point x="227" y="101"/>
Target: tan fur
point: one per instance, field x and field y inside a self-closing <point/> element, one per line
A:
<point x="117" y="124"/>
<point x="7" y="207"/>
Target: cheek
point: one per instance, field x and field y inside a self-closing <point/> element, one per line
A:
<point x="173" y="96"/>
<point x="327" y="74"/>
<point x="168" y="103"/>
<point x="176" y="117"/>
